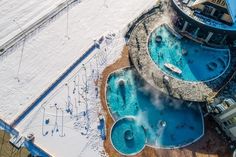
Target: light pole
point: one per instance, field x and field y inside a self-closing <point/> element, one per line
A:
<point x="104" y="3"/>
<point x="86" y="96"/>
<point x="62" y="123"/>
<point x="22" y="50"/>
<point x="43" y="121"/>
<point x="67" y="20"/>
<point x="55" y="128"/>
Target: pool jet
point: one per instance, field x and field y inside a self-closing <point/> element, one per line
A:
<point x="158" y="39"/>
<point x="161" y="126"/>
<point x="129" y="135"/>
<point x="162" y="123"/>
<point x="122" y="90"/>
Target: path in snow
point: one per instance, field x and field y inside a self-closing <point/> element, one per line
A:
<point x="25" y="32"/>
<point x="49" y="53"/>
<point x="24" y="13"/>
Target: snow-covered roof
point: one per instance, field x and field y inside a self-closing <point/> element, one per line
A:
<point x="230" y="6"/>
<point x="199" y="2"/>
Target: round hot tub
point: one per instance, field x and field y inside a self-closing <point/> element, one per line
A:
<point x="127" y="136"/>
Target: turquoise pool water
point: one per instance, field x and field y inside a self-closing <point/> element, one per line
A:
<point x="168" y="122"/>
<point x="127" y="136"/>
<point x="196" y="62"/>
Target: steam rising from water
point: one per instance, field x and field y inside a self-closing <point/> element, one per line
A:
<point x="142" y="120"/>
<point x="158" y="99"/>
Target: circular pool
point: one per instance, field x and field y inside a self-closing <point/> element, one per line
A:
<point x="127" y="136"/>
<point x="185" y="59"/>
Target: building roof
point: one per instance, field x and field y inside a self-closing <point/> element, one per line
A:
<point x="199" y="2"/>
<point x="230" y="5"/>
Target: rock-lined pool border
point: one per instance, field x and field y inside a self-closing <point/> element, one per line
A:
<point x="139" y="55"/>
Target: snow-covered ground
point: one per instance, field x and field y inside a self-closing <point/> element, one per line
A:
<point x="66" y="122"/>
<point x="22" y="13"/>
<point x="49" y="53"/>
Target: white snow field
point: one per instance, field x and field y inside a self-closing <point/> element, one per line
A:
<point x="47" y="54"/>
<point x="66" y="122"/>
<point x="22" y="13"/>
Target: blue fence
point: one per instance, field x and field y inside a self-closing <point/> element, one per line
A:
<point x="32" y="148"/>
<point x="35" y="150"/>
<point x="47" y="91"/>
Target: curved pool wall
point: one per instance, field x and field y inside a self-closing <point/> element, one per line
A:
<point x="127" y="136"/>
<point x="197" y="63"/>
<point x="184" y="122"/>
